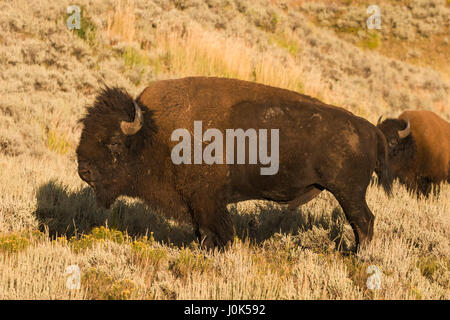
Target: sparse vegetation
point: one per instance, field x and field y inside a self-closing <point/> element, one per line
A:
<point x="121" y="23"/>
<point x="98" y="235"/>
<point x="101" y="286"/>
<point x="146" y="254"/>
<point x="418" y="24"/>
<point x="57" y="142"/>
<point x="188" y="262"/>
<point x="87" y="30"/>
<point x="12" y="243"/>
<point x="133" y="58"/>
<point x="372" y="41"/>
<point x="291" y="44"/>
<point x="320" y="48"/>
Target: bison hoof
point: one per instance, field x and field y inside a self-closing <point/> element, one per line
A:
<point x="210" y="240"/>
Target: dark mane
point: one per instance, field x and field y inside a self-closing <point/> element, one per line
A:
<point x="113" y="105"/>
<point x="406" y="149"/>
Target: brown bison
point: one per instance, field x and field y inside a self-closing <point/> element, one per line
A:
<point x="419" y="149"/>
<point x="127" y="147"/>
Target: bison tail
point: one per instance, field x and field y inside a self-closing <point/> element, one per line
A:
<point x="383" y="170"/>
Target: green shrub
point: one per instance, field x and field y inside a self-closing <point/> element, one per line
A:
<point x="283" y="41"/>
<point x="103" y="233"/>
<point x="145" y="253"/>
<point x="87" y="30"/>
<point x="372" y="41"/>
<point x="101" y="286"/>
<point x="97" y="235"/>
<point x="13" y="243"/>
<point x="428" y="266"/>
<point x="57" y="142"/>
<point x="188" y="262"/>
<point x="357" y="272"/>
<point x="133" y="57"/>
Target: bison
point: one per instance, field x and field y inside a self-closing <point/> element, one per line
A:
<point x="419" y="149"/>
<point x="126" y="148"/>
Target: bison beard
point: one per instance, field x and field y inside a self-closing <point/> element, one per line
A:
<point x="104" y="198"/>
<point x="125" y="149"/>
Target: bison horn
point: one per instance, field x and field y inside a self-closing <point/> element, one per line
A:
<point x="130" y="128"/>
<point x="380" y="119"/>
<point x="405" y="132"/>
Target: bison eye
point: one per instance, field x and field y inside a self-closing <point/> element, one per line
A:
<point x="115" y="147"/>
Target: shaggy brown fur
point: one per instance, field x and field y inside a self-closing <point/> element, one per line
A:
<point x="422" y="159"/>
<point x="321" y="147"/>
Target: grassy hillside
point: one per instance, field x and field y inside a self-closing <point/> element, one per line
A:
<point x="48" y="216"/>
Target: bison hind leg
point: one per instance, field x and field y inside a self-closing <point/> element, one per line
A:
<point x="359" y="216"/>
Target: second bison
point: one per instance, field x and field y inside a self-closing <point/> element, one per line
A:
<point x="127" y="146"/>
<point x="419" y="149"/>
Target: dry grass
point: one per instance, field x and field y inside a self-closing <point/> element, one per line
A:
<point x="212" y="54"/>
<point x="49" y="73"/>
<point x="121" y="23"/>
<point x="409" y="28"/>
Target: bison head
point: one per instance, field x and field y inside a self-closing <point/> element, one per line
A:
<point x="111" y="141"/>
<point x="399" y="139"/>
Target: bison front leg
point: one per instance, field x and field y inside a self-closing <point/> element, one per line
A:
<point x="212" y="223"/>
<point x="424" y="186"/>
